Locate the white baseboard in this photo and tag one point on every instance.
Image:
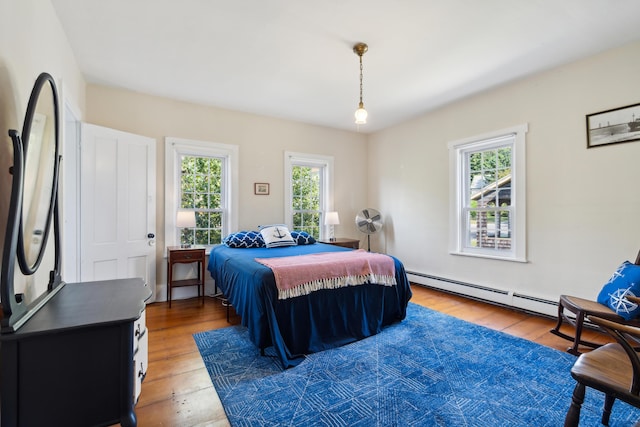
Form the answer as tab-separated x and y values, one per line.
184	292
499	296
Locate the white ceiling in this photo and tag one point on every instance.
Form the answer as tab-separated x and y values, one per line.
293	59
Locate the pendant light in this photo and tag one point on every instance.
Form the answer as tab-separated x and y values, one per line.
361	114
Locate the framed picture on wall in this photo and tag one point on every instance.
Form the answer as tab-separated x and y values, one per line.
261	188
613	126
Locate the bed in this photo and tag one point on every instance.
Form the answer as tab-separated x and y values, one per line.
320	320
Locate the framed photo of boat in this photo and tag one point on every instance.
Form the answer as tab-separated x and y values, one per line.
261	188
613	126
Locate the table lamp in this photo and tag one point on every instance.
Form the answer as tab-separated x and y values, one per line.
186	219
331	219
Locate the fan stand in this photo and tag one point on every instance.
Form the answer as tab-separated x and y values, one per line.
369	221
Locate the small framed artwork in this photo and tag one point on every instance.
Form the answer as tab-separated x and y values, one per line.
261	188
613	126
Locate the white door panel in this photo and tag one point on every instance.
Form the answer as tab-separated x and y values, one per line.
118	218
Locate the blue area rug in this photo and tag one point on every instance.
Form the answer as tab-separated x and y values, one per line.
429	370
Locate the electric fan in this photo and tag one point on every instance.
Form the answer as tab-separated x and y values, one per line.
369	221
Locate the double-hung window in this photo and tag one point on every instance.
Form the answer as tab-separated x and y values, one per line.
200	179
308	193
488	200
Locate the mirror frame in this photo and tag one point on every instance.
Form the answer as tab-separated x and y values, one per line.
40	84
16	311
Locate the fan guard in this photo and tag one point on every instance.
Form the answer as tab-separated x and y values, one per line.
369	221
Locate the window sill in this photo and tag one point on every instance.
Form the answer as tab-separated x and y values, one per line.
489	256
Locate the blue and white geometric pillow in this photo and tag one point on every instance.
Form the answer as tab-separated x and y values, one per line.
303	238
625	281
244	239
276	235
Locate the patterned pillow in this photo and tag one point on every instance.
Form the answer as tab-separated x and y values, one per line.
625	281
244	239
303	238
276	235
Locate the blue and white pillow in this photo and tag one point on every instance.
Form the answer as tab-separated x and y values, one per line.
303	238
625	281
276	235
244	239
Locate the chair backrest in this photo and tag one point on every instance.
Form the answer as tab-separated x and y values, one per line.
628	337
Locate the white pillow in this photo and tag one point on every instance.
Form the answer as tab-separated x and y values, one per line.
276	235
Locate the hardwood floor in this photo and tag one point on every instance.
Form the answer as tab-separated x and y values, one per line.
178	392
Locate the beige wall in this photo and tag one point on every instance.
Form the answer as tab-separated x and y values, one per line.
262	142
582	204
31	42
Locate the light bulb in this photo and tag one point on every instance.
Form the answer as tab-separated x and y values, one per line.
361	115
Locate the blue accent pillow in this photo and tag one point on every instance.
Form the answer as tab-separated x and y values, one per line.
244	239
625	281
276	235
303	238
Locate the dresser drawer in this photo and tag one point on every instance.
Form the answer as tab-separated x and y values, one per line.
186	255
140	353
140	363
139	328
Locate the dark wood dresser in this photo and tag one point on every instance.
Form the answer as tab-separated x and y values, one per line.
80	359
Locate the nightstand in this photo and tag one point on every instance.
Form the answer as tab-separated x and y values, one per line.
179	255
344	242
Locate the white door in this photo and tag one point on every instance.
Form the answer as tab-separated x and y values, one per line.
69	193
118	205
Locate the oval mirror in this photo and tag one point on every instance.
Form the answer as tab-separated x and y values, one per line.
40	141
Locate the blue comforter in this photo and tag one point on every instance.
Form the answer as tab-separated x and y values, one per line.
321	320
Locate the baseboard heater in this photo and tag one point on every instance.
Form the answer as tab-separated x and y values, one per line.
485	293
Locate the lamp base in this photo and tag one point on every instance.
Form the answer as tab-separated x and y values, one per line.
332	235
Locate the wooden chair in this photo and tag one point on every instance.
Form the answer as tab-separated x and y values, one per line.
581	308
613	369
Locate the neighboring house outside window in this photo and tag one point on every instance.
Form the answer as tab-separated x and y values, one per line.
308	193
200	177
488	199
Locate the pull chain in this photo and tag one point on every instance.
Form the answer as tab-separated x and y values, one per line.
361	104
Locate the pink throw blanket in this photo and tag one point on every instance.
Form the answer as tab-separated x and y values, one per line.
303	274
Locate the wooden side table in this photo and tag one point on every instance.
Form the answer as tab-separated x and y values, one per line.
344	242
179	255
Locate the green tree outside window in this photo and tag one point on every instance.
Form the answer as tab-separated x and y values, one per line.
201	190
306	204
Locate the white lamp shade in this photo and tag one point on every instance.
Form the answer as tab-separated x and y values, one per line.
186	219
331	218
361	116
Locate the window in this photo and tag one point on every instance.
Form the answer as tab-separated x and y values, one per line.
308	192
201	183
200	177
488	200
306	205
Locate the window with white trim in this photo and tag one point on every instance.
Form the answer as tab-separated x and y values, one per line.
488	199
308	192
201	177
202	180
